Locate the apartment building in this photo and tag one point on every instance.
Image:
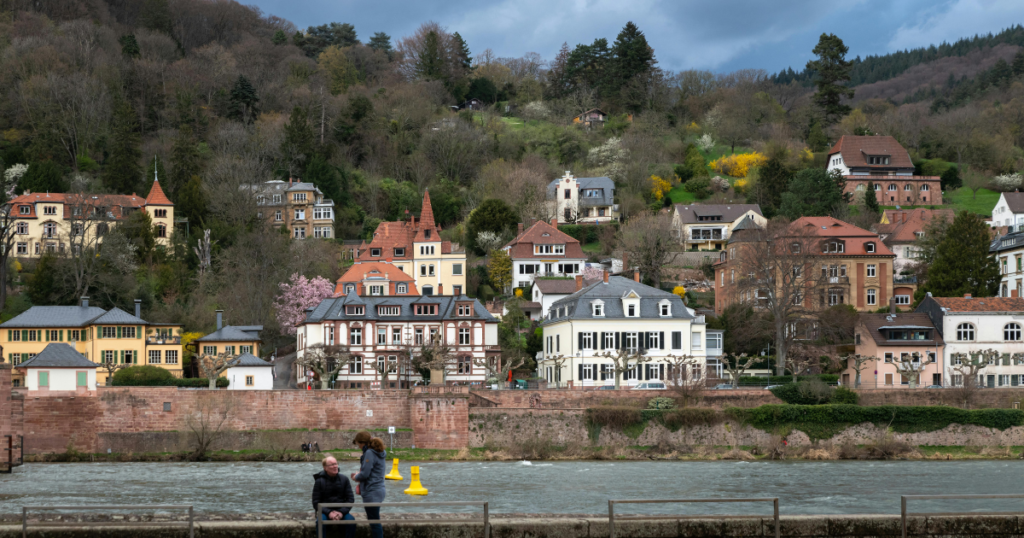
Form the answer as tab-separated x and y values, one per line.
543	251
583	200
1009	253
893	339
886	165
299	207
233	340
708	226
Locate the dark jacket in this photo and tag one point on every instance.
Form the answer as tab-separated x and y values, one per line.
371	475
332	489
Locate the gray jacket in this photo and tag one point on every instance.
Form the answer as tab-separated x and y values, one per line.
371	475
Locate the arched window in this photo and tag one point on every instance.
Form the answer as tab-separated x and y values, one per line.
878	186
161	230
924	188
1011	332
965	332
861	187
49	229
892	187
908	187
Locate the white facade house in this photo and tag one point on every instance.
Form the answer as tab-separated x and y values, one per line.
972	324
1009	210
59	367
582	199
250	372
619	314
547	291
1009	253
379	332
544	251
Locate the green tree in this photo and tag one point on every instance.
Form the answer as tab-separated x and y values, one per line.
462	54
123	173
299	142
44	176
493	215
816	138
340	72
192	203
1018	64
950	179
962	262
483	89
382	42
430	65
138	230
329	179
402	196
499	270
155	170
318	38
244	103
831	69
184	161
156	15
773	180
871	199
587	65
280	38
814	192
129	46
43	285
632	57
1000	72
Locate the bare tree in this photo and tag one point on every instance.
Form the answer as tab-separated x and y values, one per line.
205	422
737	366
213	365
648	241
964	371
91	218
557	362
500	367
625	360
111	366
859	363
325	362
975	180
685	379
8	228
438	357
202	250
911	366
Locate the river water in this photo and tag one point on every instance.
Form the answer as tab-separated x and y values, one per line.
843	487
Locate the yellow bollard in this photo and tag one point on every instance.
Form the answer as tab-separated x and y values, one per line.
415	488
393	475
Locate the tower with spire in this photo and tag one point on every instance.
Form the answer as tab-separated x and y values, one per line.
161	211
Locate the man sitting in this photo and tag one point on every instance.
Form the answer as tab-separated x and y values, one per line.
331	487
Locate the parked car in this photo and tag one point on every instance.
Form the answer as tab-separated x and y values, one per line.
653	385
770	387
722	386
934	387
606	387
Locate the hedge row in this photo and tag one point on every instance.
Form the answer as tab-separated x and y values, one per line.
585	233
824	421
631	420
187	382
783	379
153	376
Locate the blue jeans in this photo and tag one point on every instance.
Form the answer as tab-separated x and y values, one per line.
373	513
350	530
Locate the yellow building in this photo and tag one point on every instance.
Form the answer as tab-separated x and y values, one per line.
54	222
231	339
100	335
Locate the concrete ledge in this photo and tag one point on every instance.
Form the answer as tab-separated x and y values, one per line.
819	526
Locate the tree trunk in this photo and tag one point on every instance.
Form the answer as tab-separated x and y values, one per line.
3	280
856	383
213	382
780	348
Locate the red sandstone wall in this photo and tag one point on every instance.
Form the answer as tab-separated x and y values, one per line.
577	399
440	422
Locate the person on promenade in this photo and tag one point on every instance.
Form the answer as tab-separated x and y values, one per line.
329	486
371	477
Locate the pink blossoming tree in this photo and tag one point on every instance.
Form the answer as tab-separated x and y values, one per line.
298	295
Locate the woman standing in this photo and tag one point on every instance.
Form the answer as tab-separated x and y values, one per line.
371	477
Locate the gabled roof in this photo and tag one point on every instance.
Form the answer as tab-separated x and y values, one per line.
611	293
370	271
54	316
555	286
903	225
58	355
157	196
334	309
1015	201
874	323
690	213
116	316
980	304
247	360
856	149
542	233
402	234
229	333
605	184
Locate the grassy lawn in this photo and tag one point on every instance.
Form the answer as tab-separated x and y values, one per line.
592	248
964	199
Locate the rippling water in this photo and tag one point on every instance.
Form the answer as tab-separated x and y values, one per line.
843	487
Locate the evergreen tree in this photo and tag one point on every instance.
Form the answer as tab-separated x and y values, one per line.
298	145
816	138
280	38
813	192
831	69
318	38
492	215
1000	72
463	58
430	65
962	263
588	65
382	42
558	81
123	172
1018	64
483	89
871	199
631	56
773	180
950	179
155	170
138	229
156	15
328	179
184	162
191	203
244	104
129	46
43	176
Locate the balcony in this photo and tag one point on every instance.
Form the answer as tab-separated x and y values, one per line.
170	341
838	280
698	236
904	279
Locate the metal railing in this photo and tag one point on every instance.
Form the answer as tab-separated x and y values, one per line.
125	523
905	498
612	518
320	521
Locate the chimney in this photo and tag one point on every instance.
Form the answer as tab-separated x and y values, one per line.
967	296
1013	293
554	222
289	181
579	282
85	301
220	319
605	273
636	276
138	308
520	230
440	289
892	305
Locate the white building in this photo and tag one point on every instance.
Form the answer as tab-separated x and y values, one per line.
250	372
1009	210
972	324
379	332
620	314
583	199
546	291
59	367
543	251
1009	253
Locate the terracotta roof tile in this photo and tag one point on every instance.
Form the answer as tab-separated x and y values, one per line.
874	322
157	196
855	149
854	238
981	304
904	224
542	233
366	270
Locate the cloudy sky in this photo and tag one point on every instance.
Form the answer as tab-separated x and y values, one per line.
721	35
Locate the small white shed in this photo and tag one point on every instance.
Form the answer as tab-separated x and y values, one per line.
250	372
59	367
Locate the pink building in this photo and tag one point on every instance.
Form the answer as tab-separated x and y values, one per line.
890	338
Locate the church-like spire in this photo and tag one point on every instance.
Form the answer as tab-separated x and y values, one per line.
427	213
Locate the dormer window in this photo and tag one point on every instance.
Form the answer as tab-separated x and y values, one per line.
355	310
400	252
376	290
794	248
402	288
834	247
869	247
464	310
597	308
349	288
631	311
389	310
878	159
426	234
549	249
426	310
665	308
375	252
24	209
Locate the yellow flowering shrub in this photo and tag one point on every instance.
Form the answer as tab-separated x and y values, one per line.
740	186
659	187
519	292
807	156
739	164
680	291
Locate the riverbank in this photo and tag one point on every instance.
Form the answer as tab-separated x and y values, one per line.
537	452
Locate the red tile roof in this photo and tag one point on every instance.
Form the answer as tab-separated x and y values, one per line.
379	270
157	196
110	201
981	304
855	150
402	234
854	238
904	224
542	233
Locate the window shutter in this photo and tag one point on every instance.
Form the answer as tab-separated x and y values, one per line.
47	335
9	332
119	331
580	371
122	356
600	344
24	336
645	373
677	340
579	342
62	335
661	340
661	372
138	330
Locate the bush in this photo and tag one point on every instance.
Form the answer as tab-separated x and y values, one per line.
613	416
661	403
699	186
783	379
586	233
690	416
154	376
845	396
813	391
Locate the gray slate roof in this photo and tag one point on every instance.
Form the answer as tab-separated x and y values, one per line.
58	356
1015	201
584	183
1010	241
54	316
690	213
248	360
611	293
556	286
333	308
116	316
229	333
